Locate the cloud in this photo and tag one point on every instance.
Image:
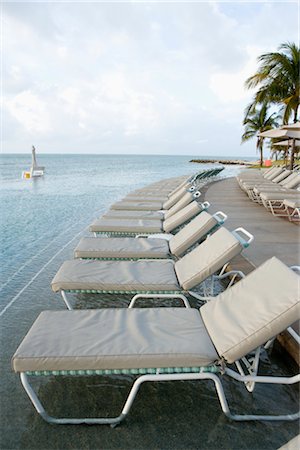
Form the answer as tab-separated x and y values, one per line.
229	86
31	112
133	76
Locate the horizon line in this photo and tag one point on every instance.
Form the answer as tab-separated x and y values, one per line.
127	154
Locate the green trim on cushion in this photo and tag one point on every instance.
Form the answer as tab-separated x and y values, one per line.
125	233
95	291
136	258
164	370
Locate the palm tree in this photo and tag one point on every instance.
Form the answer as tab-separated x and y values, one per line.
278	78
256	121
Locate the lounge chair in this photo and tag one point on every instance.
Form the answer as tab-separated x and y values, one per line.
284	180
167	344
258	176
148	277
292	208
170	205
133	226
179	197
150	195
255	173
161	247
166	202
289	183
273	201
161	193
126	214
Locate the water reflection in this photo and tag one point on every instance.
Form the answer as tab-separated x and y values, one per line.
164	415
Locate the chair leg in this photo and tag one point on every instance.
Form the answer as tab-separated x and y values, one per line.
53	420
169	377
68	304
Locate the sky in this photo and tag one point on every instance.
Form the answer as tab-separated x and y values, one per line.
134	77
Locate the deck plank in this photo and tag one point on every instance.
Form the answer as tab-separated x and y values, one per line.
273	236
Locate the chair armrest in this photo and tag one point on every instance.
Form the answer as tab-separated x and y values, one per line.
220	217
245	243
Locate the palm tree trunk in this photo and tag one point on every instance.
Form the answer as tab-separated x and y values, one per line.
292	155
260	148
296	114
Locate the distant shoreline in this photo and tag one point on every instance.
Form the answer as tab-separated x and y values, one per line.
224	161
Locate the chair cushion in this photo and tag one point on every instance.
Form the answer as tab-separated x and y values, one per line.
254	310
279	195
116	276
183	215
292	184
115	339
207	258
138	205
185	200
94	247
274	173
126	225
146	198
292	203
126	214
189	235
282	176
174	197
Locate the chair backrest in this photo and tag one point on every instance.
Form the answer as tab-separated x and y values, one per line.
268	171
274	174
181	203
282	176
184	184
193	232
295	182
291	176
173	198
254	310
207	258
182	216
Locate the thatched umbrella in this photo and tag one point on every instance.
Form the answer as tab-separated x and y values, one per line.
286	132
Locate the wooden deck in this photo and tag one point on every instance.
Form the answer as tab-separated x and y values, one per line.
273	236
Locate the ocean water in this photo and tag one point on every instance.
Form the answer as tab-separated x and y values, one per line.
39	216
41	222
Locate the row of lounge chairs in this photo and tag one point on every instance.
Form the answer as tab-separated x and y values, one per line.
170	343
275	189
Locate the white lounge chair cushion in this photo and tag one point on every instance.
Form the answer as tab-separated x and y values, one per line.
115	339
182	216
122	248
271	175
144	225
139	206
208	257
292	203
151	192
294	183
293	444
192	233
116	276
126	225
282	176
251	312
146	198
184	201
174	198
279	195
126	214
